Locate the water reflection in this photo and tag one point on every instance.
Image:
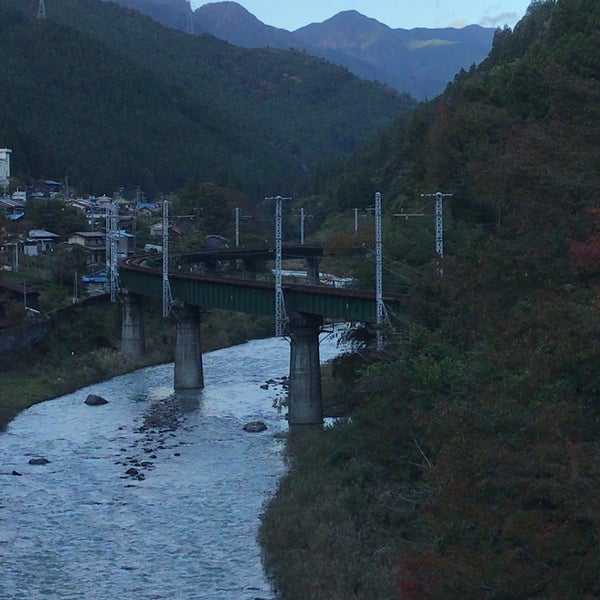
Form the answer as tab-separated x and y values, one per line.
189	400
82	527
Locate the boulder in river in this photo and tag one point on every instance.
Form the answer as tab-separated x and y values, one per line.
95	400
38	461
255	427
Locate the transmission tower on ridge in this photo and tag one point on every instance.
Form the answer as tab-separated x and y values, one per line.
41	9
191	19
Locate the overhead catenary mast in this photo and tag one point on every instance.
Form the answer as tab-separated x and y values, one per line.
379	271
280	315
356	219
167	299
303	217
379	305
112	249
439	226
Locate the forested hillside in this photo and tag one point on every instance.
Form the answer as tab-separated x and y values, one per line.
109	98
470	466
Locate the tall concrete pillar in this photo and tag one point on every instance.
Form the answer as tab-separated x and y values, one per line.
188	350
250	266
312	271
304	394
133	341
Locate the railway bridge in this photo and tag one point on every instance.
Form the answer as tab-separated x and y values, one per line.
306	307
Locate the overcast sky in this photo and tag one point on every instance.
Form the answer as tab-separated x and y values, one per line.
404	14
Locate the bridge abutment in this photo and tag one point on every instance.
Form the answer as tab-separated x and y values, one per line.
305	399
189	373
133	340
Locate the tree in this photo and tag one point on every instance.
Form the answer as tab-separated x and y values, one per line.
70	261
55	216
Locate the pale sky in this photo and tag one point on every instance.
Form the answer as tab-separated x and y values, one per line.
404	14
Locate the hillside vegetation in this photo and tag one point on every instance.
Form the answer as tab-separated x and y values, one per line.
470	466
108	97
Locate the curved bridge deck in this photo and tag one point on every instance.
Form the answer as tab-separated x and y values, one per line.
254	297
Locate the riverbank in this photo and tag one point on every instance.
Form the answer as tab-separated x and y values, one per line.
85	350
338	524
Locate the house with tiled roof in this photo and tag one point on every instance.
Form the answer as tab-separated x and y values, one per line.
39	241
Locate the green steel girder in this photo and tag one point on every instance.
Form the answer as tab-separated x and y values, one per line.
254	297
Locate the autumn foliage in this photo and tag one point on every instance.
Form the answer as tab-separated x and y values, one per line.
585	255
470	466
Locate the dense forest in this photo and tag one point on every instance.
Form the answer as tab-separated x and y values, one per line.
109	98
469	466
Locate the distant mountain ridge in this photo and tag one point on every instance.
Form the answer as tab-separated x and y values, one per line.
418	61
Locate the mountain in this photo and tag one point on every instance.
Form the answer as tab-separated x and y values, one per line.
110	98
417	61
232	22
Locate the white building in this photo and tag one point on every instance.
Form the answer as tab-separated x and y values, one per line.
4	168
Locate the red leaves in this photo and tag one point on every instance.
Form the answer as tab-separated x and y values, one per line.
585	255
418	576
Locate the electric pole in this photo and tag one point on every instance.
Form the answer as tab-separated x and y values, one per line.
303	217
280	316
356	220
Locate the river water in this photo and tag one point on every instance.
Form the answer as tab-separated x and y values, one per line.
184	526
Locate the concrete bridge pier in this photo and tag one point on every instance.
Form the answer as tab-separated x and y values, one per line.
312	271
249	268
189	373
133	340
304	395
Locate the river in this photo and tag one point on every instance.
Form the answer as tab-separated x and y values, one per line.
182	525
